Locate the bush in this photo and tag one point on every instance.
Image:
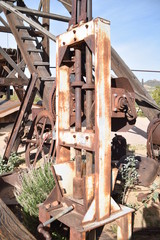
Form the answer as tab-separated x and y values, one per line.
156	95
9	166
36	184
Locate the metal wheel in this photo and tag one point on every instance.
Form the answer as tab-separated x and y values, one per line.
40	142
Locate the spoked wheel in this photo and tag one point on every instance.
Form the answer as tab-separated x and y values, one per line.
40	142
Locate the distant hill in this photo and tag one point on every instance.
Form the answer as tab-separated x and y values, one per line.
152	83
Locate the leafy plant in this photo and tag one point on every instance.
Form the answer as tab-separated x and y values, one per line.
153	195
129	174
9	166
36	184
156	95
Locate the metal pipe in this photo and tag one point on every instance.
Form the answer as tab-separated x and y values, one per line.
89	10
41	226
78	68
78	9
89	93
66	210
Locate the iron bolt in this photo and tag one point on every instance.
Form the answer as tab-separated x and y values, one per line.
64	43
87	137
115	109
74	31
115	95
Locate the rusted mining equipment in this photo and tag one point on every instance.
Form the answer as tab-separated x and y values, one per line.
82	198
32	37
79	110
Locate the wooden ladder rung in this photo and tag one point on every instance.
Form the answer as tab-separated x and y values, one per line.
48	79
36	50
28	38
23	27
41	63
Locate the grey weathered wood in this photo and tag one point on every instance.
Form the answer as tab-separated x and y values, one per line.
13	82
12	63
41	64
13	72
43	14
10	227
28	20
143	99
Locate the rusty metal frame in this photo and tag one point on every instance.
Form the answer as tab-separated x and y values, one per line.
96	185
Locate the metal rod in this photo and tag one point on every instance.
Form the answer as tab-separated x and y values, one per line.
66	210
136	70
78	68
78	9
89	10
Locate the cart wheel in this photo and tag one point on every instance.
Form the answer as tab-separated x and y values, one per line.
40	142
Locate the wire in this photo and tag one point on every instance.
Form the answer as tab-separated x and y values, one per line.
136	70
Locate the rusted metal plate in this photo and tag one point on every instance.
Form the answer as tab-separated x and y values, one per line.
66	182
79	140
102	120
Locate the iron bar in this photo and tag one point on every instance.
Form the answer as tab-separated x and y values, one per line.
66	210
137	70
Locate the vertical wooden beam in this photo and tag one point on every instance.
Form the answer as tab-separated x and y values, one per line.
102	119
46	23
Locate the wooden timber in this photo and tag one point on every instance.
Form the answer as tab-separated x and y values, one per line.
10	227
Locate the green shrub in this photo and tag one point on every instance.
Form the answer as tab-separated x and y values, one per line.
129	174
9	166
156	95
36	184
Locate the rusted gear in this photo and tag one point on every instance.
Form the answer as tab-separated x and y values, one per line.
40	142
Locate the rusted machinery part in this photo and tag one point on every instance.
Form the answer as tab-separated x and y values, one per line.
153	139
52	104
40	142
52	101
45	233
41	226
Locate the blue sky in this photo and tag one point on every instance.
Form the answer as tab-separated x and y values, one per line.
135	31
